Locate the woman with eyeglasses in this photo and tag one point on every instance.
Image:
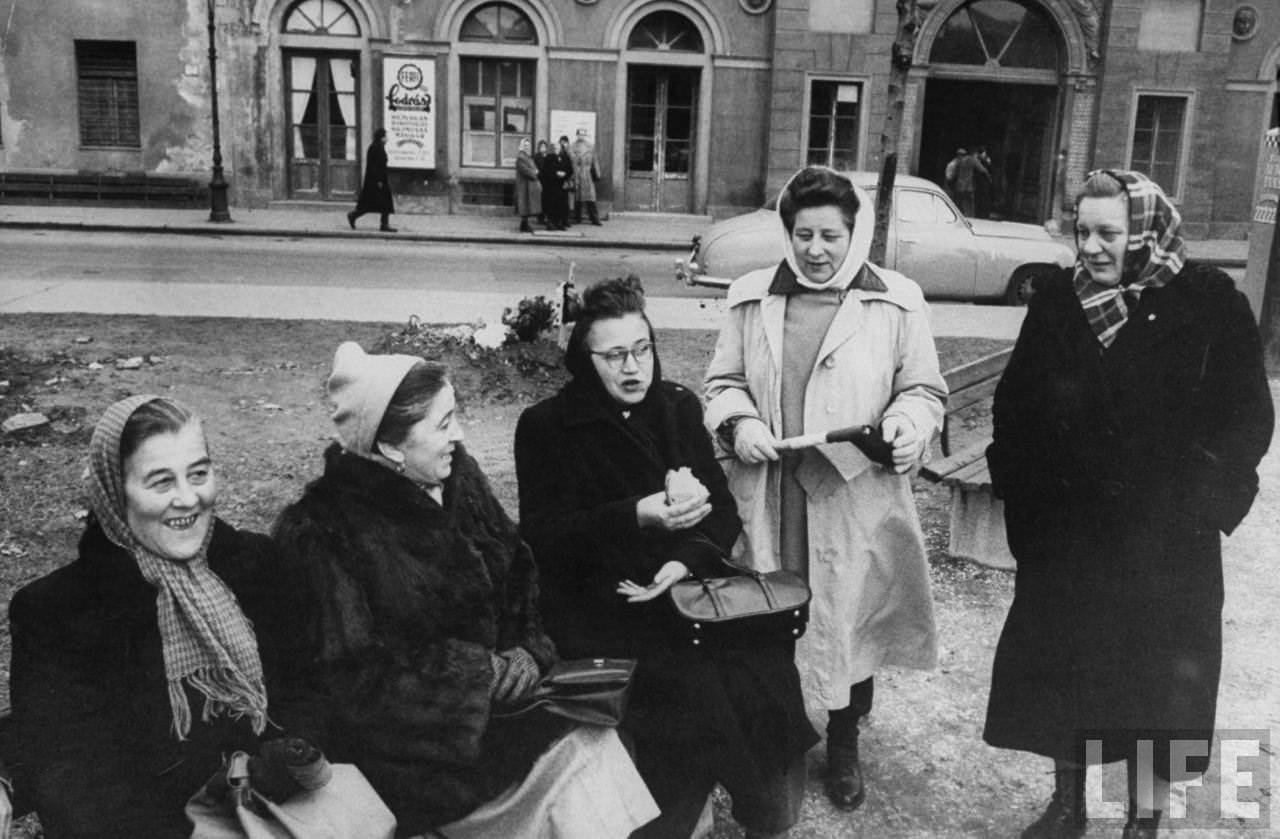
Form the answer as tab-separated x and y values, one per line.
620	497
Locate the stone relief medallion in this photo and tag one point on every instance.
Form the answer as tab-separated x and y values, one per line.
1245	23
755	7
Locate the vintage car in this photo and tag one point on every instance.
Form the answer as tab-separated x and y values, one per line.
950	256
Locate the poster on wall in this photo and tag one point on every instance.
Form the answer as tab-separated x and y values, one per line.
409	111
567	123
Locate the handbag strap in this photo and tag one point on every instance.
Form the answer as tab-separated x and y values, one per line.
713	592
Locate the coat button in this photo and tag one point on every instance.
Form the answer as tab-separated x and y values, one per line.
831	409
829	361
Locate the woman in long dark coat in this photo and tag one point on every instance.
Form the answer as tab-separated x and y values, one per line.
528	187
1128	428
592	463
137	666
375	194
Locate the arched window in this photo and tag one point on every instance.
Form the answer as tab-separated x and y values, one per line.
666	31
321	17
498	23
497	90
998	33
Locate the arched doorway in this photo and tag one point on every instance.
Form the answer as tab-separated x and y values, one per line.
995	67
322	99
662	113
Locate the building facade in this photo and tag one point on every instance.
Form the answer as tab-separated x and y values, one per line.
695	106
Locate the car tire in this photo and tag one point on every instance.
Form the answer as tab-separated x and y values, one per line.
1023	284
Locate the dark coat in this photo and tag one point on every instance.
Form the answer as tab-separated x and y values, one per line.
90	740
407	600
375	194
1118	469
555	199
581	472
528	187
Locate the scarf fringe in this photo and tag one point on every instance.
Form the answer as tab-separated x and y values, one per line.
226	691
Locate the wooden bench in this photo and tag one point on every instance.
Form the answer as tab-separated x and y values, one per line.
126	189
977	516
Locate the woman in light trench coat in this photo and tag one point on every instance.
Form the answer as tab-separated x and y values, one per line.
823	341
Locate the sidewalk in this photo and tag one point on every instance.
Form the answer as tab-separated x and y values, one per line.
646	231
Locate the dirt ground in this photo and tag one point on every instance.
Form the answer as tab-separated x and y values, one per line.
259	385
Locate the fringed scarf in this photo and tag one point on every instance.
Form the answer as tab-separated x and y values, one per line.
1155	254
208	642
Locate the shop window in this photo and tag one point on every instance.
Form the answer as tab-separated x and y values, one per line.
321	17
497	109
1170	25
107	80
1157	139
834	123
998	33
665	31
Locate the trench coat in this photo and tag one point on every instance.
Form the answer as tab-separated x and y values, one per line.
586	170
1119	470
90	741
872	604
528	187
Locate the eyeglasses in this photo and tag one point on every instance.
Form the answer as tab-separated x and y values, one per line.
615	358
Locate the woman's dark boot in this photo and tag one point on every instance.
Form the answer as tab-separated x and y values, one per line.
1065	817
524	225
844	784
1141	827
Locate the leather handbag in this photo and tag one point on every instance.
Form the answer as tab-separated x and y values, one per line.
744	609
345	807
592	691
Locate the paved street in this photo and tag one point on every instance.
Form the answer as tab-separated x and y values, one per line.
381	280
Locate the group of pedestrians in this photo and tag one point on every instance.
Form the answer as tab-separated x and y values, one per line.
396	613
548	181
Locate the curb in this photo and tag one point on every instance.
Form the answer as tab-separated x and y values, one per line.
215	229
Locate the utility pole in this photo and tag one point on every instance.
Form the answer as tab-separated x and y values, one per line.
904	45
218	183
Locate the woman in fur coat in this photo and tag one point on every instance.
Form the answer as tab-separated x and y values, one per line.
422	624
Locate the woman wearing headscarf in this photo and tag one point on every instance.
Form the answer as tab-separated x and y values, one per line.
137	667
824	341
528	187
599	466
421	626
1128	427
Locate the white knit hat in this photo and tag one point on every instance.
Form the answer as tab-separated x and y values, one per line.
361	387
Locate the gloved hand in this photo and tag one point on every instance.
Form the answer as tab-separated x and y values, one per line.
288	765
515	674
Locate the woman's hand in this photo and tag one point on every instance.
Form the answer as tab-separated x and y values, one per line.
753	441
515	674
654	511
667	576
907	444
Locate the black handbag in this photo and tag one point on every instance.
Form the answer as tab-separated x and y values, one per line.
744	609
592	691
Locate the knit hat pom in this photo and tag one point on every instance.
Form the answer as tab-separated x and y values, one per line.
361	386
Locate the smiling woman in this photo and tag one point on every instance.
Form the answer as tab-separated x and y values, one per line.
158	614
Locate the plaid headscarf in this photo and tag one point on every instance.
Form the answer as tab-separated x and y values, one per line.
208	642
1154	255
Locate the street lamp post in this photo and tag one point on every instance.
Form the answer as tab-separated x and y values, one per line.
218	183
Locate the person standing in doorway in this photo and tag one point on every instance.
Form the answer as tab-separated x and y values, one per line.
375	194
960	179
586	174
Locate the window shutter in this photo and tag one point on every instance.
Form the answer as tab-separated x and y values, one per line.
108	92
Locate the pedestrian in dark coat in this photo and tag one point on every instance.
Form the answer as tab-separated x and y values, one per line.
557	174
421	621
592	463
137	667
528	188
375	194
1128	427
